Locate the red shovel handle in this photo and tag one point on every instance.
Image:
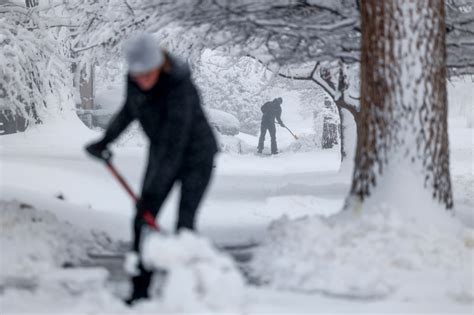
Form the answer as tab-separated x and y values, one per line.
147	215
121	180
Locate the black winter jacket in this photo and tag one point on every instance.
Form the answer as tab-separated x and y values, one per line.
173	119
271	111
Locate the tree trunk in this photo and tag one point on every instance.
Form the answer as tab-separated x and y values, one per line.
342	130
403	115
348	140
86	87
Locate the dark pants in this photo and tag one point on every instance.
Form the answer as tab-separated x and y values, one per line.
194	181
270	126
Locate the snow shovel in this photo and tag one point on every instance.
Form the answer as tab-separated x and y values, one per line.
147	216
296	138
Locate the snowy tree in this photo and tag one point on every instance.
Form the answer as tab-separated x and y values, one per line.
280	31
403	110
292	32
32	61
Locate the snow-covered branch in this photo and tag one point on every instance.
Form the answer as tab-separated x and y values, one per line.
289	32
33	65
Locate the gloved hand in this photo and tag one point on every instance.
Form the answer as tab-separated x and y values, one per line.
99	150
282	125
145	211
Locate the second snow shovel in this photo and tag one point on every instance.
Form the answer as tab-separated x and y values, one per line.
296	138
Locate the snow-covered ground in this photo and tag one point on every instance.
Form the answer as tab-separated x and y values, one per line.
57	205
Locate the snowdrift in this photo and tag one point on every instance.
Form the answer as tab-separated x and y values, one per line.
369	255
40	255
305	143
35	241
38	251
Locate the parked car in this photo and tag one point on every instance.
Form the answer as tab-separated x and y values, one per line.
225	123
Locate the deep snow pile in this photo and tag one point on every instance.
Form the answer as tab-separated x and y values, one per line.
64	291
35	248
33	241
39	252
196	273
305	143
373	253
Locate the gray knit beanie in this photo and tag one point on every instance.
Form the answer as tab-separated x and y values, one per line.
143	53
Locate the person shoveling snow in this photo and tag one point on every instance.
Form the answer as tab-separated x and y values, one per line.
271	111
163	98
